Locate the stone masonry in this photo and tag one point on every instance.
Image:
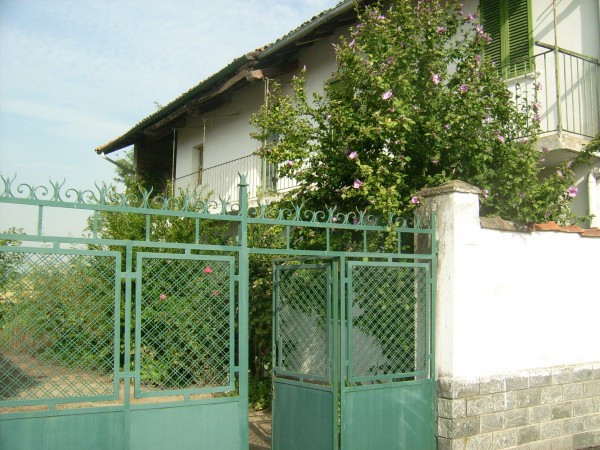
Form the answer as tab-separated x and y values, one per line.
551	408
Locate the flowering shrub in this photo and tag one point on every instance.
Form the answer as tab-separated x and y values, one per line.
414	103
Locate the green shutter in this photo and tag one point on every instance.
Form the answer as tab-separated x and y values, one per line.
490	16
518	32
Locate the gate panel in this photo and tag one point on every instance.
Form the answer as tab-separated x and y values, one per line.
59	341
185	351
184	324
388	393
303	404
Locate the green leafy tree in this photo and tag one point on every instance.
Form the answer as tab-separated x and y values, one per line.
414	103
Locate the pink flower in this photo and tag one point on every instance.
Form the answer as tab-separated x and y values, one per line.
387	95
435	78
486	193
208	270
355	221
537	106
478	59
415	200
163	296
289	162
357	184
572	191
353	155
352	43
500	137
463	88
559	173
539	86
334	219
441	30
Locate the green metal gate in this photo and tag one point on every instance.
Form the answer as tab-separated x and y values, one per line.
110	343
353	354
122	344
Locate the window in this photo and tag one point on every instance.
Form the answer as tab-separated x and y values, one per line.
198	162
508	22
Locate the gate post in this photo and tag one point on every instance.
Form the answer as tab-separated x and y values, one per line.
243	311
456	206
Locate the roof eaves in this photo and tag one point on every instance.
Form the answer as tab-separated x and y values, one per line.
128	138
307	27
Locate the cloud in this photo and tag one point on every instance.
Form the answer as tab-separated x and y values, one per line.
64	121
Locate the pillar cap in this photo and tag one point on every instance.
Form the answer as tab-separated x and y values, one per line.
450	186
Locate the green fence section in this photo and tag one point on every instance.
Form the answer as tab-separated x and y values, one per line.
57	334
354	349
143	342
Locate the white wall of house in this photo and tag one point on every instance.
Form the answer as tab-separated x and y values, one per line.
225	131
510	301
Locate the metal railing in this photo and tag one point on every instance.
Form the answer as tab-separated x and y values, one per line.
568	89
221	180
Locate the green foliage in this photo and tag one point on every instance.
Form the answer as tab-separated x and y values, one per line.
9	261
260	393
61	309
414	103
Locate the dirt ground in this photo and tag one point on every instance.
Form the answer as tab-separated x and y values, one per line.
260	430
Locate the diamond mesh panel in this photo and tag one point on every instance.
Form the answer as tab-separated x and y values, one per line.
302	324
56	325
388	320
185	324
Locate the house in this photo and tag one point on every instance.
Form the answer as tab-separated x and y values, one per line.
203	136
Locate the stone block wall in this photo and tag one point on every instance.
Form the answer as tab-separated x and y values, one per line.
551	408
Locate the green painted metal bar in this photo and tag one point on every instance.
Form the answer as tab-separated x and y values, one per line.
40	220
335	353
243	313
433	290
321	387
343	357
127	357
148	227
95	226
398	384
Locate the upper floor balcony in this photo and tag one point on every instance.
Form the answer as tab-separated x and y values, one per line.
568	103
568	98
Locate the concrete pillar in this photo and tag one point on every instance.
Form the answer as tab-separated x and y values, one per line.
456	205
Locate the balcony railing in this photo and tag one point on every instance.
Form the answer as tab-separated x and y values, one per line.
222	180
569	89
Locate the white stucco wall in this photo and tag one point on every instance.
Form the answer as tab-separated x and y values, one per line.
225	131
509	301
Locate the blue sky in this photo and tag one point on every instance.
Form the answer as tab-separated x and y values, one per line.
75	74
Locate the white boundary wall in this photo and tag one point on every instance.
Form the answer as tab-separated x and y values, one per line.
510	300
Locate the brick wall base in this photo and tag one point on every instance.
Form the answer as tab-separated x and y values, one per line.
551	408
